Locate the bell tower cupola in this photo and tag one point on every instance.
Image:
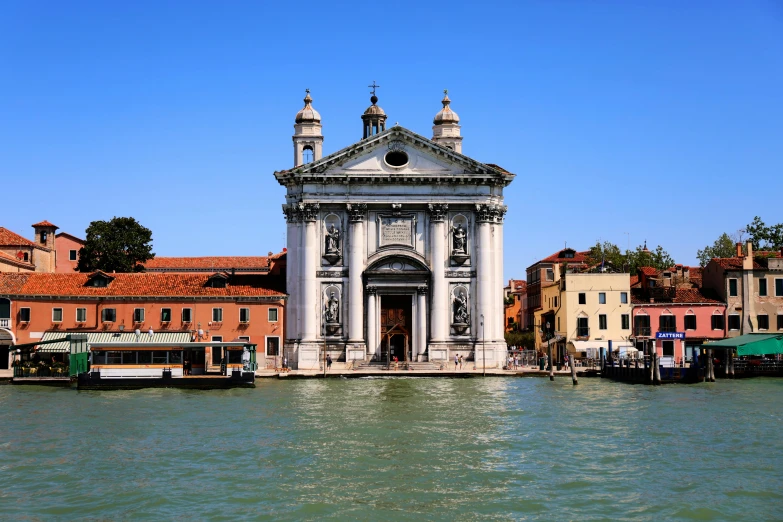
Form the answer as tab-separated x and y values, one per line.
308	140
373	119
445	128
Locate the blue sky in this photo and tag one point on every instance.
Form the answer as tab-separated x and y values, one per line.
624	121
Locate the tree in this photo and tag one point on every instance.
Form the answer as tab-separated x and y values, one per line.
607	253
763	236
526	340
657	258
723	247
119	245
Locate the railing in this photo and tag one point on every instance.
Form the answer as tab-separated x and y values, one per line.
5	323
667	328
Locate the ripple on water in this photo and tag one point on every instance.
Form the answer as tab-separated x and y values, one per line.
369	449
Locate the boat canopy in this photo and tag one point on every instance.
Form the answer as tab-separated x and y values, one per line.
751	344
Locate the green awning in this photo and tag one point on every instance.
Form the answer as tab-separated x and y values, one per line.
751	344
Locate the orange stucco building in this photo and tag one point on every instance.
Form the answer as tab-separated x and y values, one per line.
217	307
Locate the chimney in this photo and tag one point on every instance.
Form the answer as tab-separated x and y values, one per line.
747	263
739	249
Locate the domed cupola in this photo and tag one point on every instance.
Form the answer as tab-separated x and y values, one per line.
308	140
446	129
308	114
373	119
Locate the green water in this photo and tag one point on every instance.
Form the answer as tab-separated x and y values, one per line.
383	449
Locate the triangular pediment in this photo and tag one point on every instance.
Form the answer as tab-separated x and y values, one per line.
396	153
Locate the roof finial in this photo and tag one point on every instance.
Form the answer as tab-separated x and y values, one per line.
446	101
373	98
307	98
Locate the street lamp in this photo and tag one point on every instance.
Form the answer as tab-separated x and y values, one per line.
483	348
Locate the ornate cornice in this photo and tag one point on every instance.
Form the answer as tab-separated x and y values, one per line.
356	212
437	212
291	214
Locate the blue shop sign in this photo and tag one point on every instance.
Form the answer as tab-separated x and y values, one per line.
670	335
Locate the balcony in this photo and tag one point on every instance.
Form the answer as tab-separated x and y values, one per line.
642	331
667	328
5	323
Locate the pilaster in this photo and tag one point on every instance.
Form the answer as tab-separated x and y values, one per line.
357	214
439	297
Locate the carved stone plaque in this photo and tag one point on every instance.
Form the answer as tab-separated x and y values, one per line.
396	230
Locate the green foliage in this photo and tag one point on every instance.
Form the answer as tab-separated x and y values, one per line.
119	245
525	340
763	236
723	247
608	253
657	258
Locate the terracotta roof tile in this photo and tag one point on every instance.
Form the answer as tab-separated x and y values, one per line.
634	280
8	238
734	263
579	257
9	259
137	284
682	295
45	223
214	263
649	271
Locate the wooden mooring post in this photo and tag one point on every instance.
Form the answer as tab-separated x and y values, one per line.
551	362
656	368
573	370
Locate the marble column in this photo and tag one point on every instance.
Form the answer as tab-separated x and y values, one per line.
499	316
372	321
438	296
484	270
356	215
309	309
292	319
421	330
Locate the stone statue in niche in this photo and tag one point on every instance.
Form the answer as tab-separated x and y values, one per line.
461	315
458	240
332	240
332	312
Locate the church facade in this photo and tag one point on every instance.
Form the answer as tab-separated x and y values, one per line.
395	246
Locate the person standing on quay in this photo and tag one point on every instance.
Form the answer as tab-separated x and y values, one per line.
328	362
456	362
460	362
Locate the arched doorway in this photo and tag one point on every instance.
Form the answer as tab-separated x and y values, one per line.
397	286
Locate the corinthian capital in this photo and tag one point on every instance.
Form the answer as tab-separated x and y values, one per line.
356	211
437	211
308	211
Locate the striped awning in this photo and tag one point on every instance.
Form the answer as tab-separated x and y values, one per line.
112	337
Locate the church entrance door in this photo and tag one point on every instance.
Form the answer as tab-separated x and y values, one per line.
396	317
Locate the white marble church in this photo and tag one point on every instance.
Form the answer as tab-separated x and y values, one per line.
395	245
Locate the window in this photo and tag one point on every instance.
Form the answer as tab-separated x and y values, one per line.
690	322
307	155
667	323
602	322
555	302
234	356
186	315
108	315
582	299
272	315
244	315
624	297
145	357
763	321
510	321
160	357
165	315
733	287
129	357
601	297
26	256
217	351
99	282
72	255
272	346
81	315
780	321
24	315
550	274
217	315
44	236
641	324
113	357
582	328
138	315
668	348
244	338
763	287
57	315
778	287
734	322
625	320
718	322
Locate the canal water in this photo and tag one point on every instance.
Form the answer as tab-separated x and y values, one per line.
388	449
